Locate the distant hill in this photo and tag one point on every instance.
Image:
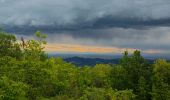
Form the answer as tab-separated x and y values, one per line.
93	61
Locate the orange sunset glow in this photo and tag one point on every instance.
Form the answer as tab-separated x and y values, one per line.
89	49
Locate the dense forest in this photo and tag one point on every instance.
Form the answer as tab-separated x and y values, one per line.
27	73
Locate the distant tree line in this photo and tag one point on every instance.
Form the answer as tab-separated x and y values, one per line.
27	73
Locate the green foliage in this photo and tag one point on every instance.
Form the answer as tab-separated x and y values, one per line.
26	73
11	90
119	78
142	88
100	75
161	80
106	94
33	49
9	45
138	71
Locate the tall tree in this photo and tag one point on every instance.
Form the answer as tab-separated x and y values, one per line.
161	80
33	49
9	45
136	67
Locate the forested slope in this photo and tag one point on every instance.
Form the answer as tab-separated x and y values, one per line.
27	73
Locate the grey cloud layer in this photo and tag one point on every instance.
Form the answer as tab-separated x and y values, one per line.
85	13
154	38
143	24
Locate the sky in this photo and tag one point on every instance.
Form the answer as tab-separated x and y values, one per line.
96	26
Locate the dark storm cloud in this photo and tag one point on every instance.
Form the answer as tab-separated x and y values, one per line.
143	24
85	13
